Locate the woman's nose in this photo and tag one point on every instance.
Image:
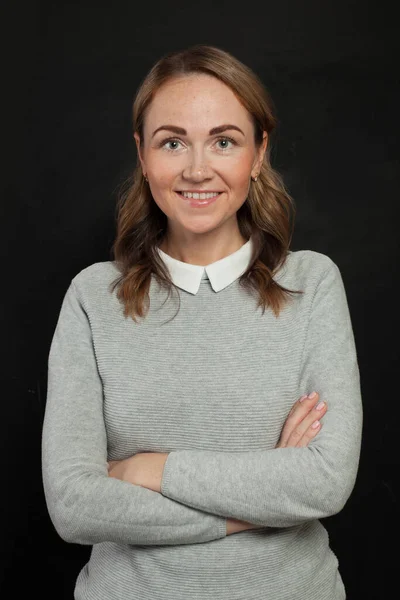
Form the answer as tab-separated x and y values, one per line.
197	168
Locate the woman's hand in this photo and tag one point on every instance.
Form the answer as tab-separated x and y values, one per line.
303	422
123	469
297	431
234	526
144	469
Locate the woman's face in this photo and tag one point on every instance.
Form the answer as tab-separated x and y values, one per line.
182	152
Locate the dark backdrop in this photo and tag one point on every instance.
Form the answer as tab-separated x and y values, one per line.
70	72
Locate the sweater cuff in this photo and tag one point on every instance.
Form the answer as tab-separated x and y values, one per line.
169	483
166	476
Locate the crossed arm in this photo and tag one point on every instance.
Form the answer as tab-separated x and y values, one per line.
280	487
146	469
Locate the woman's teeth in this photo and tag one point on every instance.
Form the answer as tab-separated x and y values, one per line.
204	196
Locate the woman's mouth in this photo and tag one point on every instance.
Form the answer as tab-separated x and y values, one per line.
199	199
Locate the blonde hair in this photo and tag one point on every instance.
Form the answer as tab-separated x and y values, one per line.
267	215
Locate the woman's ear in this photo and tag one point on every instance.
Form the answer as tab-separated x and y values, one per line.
137	140
258	161
262	150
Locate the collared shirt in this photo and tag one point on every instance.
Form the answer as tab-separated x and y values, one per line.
221	273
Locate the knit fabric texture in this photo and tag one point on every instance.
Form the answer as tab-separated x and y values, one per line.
213	388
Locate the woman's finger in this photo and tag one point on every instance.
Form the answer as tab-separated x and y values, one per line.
299	411
303	426
310	434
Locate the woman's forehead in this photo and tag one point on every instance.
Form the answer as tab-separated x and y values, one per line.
195	102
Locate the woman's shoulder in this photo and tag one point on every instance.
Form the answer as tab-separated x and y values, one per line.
95	278
96	271
303	267
306	259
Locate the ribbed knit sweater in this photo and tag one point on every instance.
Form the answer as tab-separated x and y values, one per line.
212	387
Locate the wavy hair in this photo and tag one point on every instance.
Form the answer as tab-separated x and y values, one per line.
267	215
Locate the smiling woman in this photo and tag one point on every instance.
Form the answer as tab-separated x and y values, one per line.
222	118
202	160
161	438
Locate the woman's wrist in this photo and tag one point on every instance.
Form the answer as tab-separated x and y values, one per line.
144	469
234	526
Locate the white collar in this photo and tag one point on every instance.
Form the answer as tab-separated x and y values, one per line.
220	273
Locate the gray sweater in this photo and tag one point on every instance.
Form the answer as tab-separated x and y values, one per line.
212	387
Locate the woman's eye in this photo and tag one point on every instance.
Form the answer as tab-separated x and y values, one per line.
171	142
226	142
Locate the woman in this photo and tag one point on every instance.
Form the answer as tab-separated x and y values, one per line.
165	436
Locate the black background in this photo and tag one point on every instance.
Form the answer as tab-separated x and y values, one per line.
70	72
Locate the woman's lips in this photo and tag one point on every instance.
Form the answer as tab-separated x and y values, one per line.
197	202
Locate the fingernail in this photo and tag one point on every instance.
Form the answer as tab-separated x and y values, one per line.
316	425
303	398
312	395
320	405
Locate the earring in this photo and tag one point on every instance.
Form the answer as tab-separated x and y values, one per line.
255	178
144	175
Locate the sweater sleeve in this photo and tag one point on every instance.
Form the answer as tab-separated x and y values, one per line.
285	486
85	505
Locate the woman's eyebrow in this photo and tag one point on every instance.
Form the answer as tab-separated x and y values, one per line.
181	131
